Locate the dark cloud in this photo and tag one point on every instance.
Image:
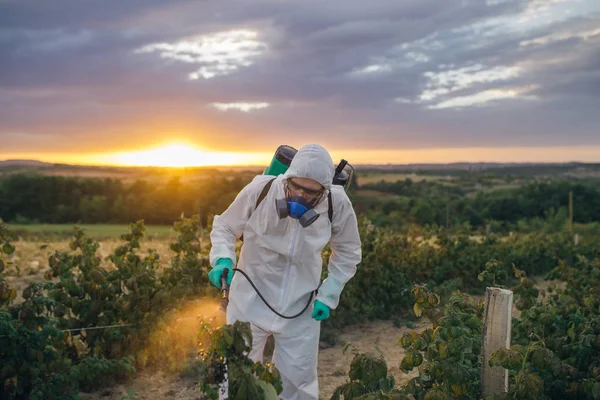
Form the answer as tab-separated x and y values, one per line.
74	14
383	74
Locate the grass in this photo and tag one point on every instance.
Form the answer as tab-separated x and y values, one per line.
366	178
377	194
97	231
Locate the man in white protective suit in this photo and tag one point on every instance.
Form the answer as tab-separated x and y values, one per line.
283	259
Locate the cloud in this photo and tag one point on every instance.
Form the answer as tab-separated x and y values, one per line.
372	69
464	77
245	107
468	64
556	37
482	98
443	85
219	54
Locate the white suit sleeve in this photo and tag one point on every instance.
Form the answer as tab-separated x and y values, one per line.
229	226
346	253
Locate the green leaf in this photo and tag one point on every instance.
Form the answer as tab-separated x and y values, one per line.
596	390
8	248
268	390
571	332
418	310
436	394
387	385
242	385
367	368
545	359
528	384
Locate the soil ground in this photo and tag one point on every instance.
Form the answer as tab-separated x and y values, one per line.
379	337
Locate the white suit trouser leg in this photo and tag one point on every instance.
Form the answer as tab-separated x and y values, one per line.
259	340
295	355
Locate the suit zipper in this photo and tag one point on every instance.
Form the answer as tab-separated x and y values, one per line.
286	280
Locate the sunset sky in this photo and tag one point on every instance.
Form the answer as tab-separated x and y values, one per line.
197	82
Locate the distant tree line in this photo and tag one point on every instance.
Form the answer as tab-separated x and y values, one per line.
428	202
494	170
31	198
59	199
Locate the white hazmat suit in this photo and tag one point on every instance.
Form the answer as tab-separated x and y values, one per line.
284	261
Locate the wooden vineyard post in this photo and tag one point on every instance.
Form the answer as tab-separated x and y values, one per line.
497	324
571	212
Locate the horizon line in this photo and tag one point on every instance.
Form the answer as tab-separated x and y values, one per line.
184	156
49	163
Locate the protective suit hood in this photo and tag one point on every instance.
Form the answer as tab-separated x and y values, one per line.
314	162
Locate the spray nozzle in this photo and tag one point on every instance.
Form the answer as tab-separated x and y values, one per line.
224	290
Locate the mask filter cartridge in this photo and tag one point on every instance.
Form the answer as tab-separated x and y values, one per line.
296	207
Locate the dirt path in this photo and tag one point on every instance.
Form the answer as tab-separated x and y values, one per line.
150	387
379	337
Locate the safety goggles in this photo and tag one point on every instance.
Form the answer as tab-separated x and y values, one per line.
299	190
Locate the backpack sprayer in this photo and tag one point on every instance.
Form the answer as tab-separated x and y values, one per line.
282	159
344	172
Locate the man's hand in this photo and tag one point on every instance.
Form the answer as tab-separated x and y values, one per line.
321	311
214	275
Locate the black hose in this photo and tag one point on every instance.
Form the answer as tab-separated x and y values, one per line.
268	305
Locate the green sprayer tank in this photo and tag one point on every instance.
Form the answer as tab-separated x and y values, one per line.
281	160
283	157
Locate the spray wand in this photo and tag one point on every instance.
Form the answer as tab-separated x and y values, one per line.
224	290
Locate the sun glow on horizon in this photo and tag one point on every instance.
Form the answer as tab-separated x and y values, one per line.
184	155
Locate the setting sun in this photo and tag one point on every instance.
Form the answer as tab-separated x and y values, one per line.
184	155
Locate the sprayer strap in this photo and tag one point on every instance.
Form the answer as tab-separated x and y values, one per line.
330	210
264	192
261	197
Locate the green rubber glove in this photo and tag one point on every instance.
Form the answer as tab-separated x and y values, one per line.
321	311
214	275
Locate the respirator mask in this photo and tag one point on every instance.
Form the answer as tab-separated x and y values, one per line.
299	203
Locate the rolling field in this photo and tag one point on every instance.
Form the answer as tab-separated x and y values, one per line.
97	231
367	178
